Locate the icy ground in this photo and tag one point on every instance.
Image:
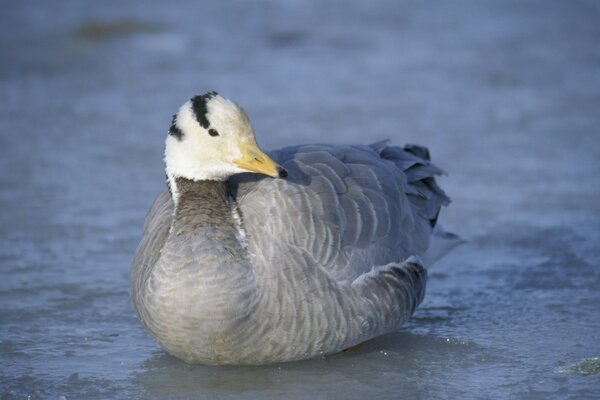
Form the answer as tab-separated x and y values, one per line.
505	94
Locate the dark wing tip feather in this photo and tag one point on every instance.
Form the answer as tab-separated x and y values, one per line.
414	161
419	151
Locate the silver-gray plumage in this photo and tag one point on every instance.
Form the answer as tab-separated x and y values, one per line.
258	270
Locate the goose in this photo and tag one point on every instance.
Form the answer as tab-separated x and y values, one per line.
251	258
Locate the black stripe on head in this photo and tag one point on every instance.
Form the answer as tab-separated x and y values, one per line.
199	107
174	129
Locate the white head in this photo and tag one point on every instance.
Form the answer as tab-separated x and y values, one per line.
211	138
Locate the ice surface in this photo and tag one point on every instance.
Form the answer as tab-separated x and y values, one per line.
505	94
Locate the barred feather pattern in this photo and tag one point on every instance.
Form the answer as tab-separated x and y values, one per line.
331	256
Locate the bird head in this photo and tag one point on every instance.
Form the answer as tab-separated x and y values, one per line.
211	138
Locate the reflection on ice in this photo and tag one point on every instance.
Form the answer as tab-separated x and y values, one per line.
386	365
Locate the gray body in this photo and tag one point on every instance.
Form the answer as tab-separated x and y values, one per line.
322	260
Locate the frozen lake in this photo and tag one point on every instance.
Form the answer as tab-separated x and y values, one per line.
505	94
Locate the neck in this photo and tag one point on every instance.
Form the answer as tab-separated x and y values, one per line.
177	185
174	181
200	204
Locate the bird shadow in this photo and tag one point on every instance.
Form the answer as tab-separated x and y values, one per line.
404	353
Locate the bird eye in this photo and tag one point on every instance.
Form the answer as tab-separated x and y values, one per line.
213	132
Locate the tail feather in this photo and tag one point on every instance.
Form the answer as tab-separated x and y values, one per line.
441	243
423	192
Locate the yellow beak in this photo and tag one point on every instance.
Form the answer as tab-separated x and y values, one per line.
255	160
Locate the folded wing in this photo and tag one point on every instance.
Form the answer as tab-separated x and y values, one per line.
349	207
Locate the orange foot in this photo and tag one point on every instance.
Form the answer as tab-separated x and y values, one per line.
354	348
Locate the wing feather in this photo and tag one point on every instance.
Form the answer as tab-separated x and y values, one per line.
349	207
